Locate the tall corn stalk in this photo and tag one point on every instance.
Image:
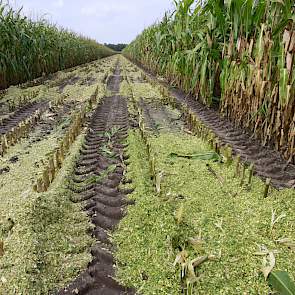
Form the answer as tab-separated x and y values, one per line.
29	49
239	53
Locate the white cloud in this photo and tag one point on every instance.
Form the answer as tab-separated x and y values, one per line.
111	21
58	3
88	11
104	9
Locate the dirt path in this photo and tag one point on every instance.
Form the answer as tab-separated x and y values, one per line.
113	84
268	162
98	174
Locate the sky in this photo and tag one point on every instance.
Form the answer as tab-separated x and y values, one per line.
107	21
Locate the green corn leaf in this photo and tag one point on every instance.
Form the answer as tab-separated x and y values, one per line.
260	44
283	87
281	282
204	156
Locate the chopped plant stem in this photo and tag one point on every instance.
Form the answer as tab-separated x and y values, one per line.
229	225
43	237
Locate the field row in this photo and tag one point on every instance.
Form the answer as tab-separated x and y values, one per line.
201	223
123	186
46	230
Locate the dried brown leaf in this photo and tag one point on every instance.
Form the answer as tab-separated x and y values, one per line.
1	248
287	242
198	261
181	257
269	262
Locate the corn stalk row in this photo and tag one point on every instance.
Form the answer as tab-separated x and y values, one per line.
239	54
30	49
56	160
20	131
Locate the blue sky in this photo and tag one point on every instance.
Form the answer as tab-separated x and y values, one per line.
110	21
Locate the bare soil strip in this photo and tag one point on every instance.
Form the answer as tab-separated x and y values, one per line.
113	84
268	162
98	174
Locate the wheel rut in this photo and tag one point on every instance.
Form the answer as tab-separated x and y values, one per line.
113	83
97	175
20	115
268	162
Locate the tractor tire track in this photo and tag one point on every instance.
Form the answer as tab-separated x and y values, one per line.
113	83
102	159
20	115
268	162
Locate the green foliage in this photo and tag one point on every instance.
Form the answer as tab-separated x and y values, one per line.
191	45
197	156
116	47
282	283
30	49
238	53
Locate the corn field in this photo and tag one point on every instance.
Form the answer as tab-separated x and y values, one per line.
31	49
238	53
167	169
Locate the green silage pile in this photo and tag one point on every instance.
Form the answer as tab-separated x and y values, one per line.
201	210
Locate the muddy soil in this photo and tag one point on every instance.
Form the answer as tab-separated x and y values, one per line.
268	162
21	114
113	83
102	162
159	117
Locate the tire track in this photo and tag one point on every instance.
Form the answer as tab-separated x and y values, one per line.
98	174
20	115
113	83
268	162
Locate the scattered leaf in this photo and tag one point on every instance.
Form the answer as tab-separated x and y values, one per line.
286	242
269	262
218	224
198	156
197	261
281	282
275	219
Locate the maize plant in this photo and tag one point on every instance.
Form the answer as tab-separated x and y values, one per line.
31	49
237	53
